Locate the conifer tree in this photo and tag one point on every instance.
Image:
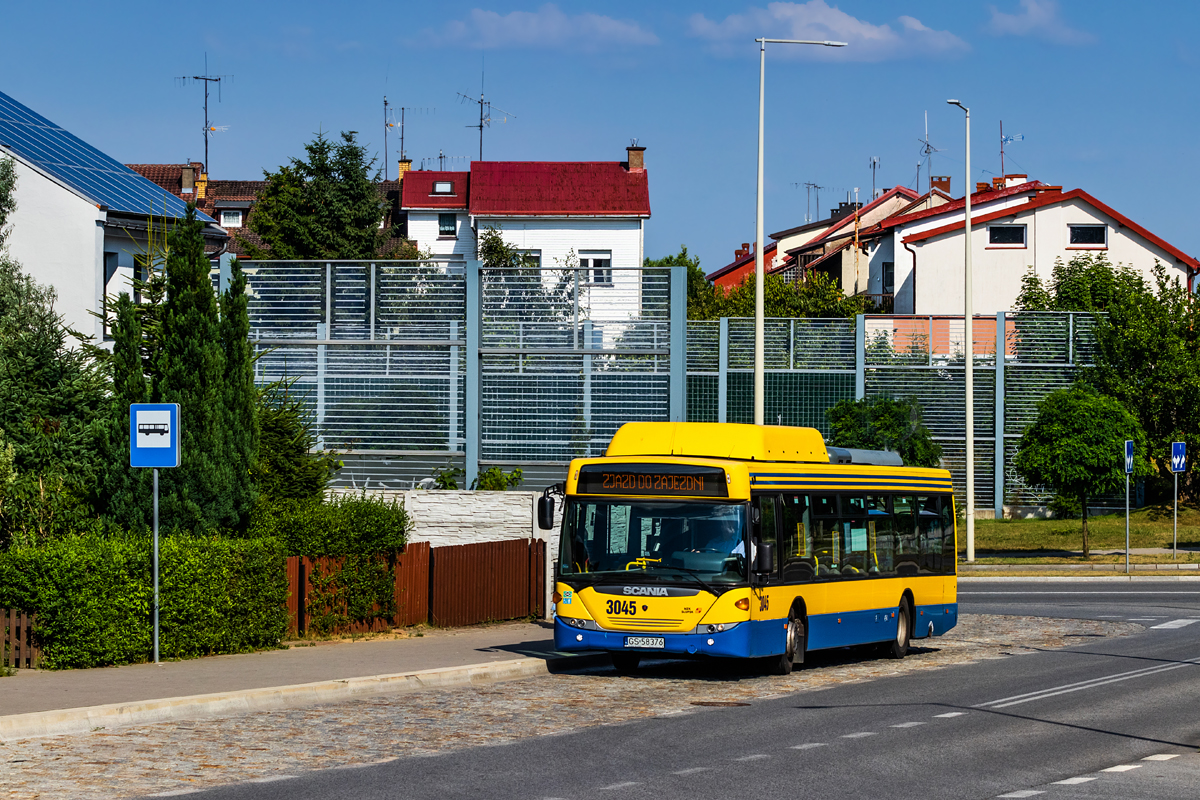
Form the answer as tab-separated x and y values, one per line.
241	401
126	494
190	371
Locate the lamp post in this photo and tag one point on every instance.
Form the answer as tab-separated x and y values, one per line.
970	348
759	350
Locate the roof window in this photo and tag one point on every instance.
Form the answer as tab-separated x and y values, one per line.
443	187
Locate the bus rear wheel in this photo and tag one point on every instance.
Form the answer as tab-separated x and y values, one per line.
625	663
898	647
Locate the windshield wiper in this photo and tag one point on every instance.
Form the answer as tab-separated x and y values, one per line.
695	575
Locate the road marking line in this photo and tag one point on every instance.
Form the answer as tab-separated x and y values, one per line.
1017	699
1141	619
809	746
623	785
908	725
1122	768
1022	793
951	714
691	770
1175	623
1161	757
1074	781
858	735
754	757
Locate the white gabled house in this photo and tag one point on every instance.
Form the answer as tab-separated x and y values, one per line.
82	218
1016	225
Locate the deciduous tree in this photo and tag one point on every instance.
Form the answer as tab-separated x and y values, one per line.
885	423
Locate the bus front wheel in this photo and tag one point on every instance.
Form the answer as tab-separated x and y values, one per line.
899	645
793	647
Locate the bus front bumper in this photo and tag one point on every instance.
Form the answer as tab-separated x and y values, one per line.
736	642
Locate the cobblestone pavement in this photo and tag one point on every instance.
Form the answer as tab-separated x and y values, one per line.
178	757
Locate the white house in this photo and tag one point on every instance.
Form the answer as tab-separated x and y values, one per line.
82	218
1016	225
588	215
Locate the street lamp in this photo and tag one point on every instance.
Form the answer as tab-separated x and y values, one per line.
970	366
759	351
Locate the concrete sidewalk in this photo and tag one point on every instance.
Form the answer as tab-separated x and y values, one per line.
37	702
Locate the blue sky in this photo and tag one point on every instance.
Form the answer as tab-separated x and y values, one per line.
1105	93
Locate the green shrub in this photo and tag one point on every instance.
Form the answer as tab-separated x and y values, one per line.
346	524
93	597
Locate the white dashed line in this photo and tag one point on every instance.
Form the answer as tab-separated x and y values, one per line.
951	714
623	785
754	757
272	778
907	725
808	746
1175	623
1022	793
1122	768
1142	619
1074	781
1161	757
691	770
858	735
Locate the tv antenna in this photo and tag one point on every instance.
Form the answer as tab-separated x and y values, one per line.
927	151
442	158
485	112
874	165
389	121
208	81
809	189
1020	137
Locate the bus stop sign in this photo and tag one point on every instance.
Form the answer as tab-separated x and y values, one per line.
154	435
1128	456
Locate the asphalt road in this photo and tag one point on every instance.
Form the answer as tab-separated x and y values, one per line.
1066	723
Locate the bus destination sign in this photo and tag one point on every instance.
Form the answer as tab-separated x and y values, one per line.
668	480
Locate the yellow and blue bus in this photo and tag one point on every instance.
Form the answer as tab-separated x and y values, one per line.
714	539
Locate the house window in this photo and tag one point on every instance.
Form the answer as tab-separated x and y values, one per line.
889	277
1006	235
448	225
231	219
443	187
533	258
1089	235
596	266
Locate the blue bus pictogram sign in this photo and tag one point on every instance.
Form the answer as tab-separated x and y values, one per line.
154	435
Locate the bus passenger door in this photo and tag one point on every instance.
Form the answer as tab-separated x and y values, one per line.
767	602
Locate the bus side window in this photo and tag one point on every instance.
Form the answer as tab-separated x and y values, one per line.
929	534
907	554
796	554
949	550
826	535
880	536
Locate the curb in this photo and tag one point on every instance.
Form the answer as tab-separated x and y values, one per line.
274	698
1079	578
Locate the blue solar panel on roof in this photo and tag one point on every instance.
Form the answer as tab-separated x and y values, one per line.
103	180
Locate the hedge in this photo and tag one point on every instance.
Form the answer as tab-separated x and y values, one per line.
342	525
93	597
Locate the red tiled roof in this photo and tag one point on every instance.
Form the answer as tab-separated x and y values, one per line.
977	198
903	191
748	259
1051	198
168	176
417	191
558	188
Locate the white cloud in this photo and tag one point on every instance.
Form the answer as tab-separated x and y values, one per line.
1040	19
817	20
548	27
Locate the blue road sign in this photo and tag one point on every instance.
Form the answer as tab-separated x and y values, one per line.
1128	456
154	435
1178	456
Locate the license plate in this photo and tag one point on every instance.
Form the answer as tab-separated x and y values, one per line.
645	641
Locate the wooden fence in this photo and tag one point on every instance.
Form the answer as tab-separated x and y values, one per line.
446	586
19	649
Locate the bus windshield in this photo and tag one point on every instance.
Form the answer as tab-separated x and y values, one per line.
663	540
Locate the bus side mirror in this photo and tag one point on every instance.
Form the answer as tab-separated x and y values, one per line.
764	558
545	512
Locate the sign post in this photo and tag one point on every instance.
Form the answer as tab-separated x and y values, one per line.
1178	465
154	444
1128	472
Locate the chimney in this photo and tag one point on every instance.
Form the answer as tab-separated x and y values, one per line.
998	183
405	165
1015	180
941	182
188	179
635	158
202	186
983	186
